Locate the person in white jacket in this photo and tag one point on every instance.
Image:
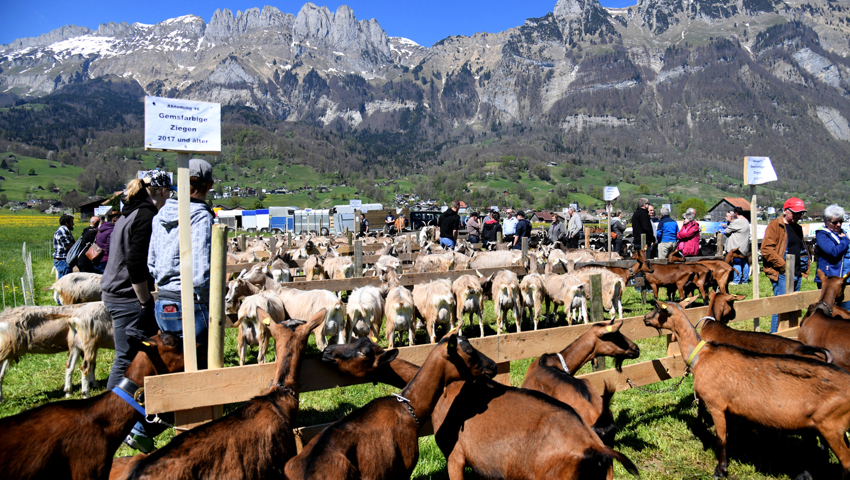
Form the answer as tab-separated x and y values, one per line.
738	236
574	230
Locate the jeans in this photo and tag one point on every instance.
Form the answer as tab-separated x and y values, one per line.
62	267
779	289
741	271
447	242
473	239
169	317
126	316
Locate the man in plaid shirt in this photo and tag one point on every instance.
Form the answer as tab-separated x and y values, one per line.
62	242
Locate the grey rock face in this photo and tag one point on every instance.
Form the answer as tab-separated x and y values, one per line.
225	27
118	30
317	27
62	33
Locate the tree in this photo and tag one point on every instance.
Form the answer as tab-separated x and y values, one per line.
3	164
258	205
73	199
642	188
235	202
51	186
31	172
694	203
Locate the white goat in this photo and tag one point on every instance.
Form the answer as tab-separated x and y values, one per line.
91	325
238	289
337	267
77	287
252	331
612	288
436	304
435	262
566	290
44	330
533	291
469	296
398	307
496	259
314	268
364	311
506	296
427	233
302	304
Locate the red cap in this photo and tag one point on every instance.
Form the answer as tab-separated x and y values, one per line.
795	205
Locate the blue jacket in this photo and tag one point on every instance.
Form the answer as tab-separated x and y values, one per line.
834	254
667	230
164	251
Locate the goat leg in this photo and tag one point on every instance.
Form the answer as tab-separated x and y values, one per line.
241	345
518	316
73	356
835	439
718	416
480	322
3	368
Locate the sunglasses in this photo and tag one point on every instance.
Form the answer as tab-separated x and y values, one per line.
837	222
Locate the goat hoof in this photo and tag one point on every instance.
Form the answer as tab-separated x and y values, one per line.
804	476
720	473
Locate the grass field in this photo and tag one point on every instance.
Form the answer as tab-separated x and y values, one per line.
660	433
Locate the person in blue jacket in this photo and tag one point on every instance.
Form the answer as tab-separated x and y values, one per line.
833	245
666	233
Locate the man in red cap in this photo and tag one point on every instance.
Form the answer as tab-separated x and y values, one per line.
784	236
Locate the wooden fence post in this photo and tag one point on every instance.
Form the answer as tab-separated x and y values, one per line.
790	319
720	241
272	245
586	237
358	258
350	236
596	312
498	237
754	252
409	244
242	242
288	239
218	277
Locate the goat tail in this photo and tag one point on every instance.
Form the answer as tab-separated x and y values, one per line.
624	461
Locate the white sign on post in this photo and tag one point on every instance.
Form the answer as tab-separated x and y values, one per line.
610	193
355	204
182	125
758	170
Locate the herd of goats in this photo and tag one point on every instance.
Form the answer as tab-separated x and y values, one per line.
559	425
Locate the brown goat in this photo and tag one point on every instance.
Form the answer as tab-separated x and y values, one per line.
380	440
550	376
821	329
783	392
721	270
463	426
670	276
76	439
721	311
256	440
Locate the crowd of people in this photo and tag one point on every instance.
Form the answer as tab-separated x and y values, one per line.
140	250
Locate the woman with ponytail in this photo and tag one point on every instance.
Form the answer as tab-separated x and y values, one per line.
126	282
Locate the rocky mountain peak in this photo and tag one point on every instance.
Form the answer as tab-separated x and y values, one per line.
225	26
62	33
580	18
317	27
574	8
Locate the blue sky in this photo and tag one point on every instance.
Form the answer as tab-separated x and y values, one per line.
424	22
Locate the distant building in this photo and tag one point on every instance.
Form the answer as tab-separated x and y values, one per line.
717	213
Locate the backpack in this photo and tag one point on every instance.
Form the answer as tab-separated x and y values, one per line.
78	248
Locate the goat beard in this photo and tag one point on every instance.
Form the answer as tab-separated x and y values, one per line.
618	364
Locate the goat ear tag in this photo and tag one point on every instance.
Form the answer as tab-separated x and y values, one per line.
147	344
662	305
267	321
609	328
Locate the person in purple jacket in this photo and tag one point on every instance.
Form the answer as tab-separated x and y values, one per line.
104	235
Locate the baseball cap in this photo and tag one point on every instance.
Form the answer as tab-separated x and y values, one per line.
795	205
201	169
158	178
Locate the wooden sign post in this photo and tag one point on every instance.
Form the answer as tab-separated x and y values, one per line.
185	127
757	170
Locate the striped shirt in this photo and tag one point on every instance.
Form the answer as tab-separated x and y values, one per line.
62	242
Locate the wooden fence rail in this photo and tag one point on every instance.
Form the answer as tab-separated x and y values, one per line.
191	390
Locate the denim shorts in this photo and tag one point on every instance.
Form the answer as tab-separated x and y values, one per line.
169	318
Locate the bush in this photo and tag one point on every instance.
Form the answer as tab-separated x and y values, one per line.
31	172
694	203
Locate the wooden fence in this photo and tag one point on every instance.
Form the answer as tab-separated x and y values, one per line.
212	388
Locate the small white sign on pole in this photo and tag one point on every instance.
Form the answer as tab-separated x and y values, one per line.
610	193
102	210
758	170
667	206
182	125
355	204
771	211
